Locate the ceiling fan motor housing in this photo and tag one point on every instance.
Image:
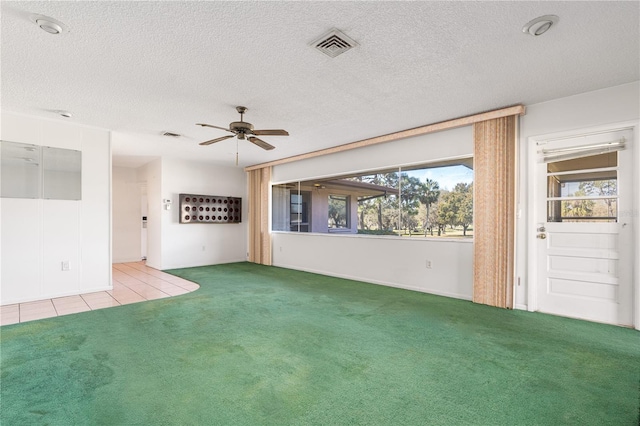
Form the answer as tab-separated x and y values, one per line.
241	128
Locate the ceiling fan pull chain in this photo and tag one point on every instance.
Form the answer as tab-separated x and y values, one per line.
237	150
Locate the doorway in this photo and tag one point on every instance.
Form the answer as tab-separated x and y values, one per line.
581	246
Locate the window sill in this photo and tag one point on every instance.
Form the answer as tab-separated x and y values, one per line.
380	237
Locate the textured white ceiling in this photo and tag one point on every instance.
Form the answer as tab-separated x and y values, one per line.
140	68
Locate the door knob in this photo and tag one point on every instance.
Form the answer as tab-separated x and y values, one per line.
542	236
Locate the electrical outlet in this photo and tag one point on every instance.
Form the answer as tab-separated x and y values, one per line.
428	264
66	265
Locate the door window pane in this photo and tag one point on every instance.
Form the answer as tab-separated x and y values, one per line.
600	161
568	186
585	195
583	210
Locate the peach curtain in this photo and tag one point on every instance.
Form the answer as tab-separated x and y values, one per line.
259	237
494	211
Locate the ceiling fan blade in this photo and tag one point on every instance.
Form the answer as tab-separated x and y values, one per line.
262	144
216	140
212	126
272	132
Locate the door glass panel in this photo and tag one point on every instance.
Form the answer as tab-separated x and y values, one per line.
579	186
583	189
583	210
600	161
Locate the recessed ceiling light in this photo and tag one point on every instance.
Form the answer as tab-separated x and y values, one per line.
540	25
49	25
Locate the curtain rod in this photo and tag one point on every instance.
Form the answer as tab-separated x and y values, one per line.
403	134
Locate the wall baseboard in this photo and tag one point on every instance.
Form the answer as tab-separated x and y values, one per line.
378	282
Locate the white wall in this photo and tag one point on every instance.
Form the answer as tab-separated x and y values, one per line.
127	215
38	235
176	245
453	143
393	261
602	107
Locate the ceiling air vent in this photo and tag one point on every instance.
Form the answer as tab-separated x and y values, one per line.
334	43
171	134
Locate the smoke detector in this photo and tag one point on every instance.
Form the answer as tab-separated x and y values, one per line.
49	25
334	43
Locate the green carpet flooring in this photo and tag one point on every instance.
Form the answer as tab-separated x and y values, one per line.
260	345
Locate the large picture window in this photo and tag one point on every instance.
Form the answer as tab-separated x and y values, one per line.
430	200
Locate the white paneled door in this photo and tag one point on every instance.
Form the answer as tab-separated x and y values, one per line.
583	244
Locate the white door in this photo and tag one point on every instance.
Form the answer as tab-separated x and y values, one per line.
584	247
144	210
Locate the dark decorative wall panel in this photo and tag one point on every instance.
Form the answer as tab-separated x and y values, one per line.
210	209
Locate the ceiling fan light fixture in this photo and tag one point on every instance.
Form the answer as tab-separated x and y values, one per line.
50	25
540	25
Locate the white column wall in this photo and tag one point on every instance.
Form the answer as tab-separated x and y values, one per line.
38	235
391	261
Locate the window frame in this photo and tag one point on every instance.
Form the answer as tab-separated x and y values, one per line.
461	160
347	212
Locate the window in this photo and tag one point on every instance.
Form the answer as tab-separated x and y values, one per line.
434	199
338	212
32	171
290	208
300	212
21	174
583	189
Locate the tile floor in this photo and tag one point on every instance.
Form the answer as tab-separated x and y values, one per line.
132	283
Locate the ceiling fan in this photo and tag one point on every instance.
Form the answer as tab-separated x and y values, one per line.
244	130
